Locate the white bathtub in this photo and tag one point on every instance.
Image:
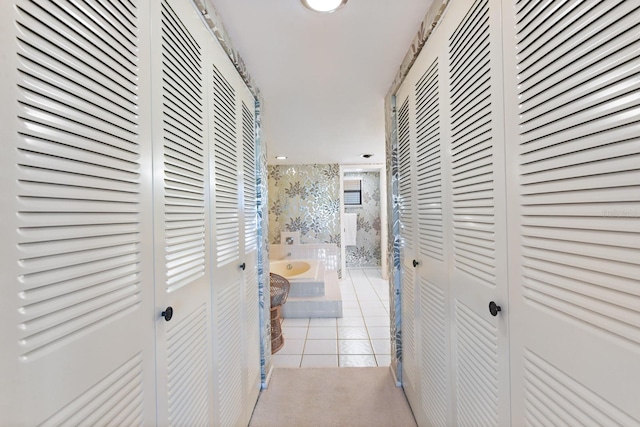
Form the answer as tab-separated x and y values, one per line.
306	269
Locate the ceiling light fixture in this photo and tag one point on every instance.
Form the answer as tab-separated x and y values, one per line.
324	6
281	157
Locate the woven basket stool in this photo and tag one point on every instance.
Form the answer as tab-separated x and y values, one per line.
279	287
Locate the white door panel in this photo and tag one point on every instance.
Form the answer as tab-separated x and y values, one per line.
227	286
250	245
76	255
406	198
574	228
457	352
235	286
478	272
183	273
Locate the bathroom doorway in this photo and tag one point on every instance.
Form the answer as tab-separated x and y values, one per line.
368	248
361	336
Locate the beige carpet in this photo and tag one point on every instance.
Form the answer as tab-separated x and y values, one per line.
332	397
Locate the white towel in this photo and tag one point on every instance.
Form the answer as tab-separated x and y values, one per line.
350	228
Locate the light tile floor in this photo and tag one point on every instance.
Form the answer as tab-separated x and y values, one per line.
360	338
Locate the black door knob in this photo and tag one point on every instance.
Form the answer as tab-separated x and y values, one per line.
168	313
415	263
243	266
494	308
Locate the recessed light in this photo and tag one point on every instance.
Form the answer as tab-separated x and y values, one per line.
325	6
281	157
366	156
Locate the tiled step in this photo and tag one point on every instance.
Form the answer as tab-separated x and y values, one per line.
308	287
327	305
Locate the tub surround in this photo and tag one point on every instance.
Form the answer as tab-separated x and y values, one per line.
314	292
303	300
327	253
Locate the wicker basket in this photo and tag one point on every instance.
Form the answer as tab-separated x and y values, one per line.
279	289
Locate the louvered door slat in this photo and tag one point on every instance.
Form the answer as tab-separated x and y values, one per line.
44	179
405	179
184	137
234	203
472	178
428	165
229	368
434	354
409	356
476	173
76	150
251	363
52	25
118	16
575	189
226	172
188	370
249	165
477	387
574	45
182	177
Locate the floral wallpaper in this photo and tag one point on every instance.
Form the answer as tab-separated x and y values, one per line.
367	251
213	20
263	247
429	22
305	198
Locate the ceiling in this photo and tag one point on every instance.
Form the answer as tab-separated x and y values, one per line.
323	77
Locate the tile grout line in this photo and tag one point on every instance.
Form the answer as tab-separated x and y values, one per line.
369	286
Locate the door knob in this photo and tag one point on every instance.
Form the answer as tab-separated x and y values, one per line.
415	263
243	266
168	313
494	308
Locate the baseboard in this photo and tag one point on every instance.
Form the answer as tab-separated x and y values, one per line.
395	378
265	384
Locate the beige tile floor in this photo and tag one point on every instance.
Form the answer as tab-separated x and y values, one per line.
360	338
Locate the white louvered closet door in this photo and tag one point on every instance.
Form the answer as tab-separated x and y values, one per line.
574	169
405	104
433	314
475	167
76	300
249	240
228	258
182	228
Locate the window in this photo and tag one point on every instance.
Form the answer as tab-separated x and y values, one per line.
353	192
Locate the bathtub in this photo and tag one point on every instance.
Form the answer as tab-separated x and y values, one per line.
296	268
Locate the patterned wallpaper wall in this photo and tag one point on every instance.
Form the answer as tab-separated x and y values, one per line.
367	251
263	247
305	198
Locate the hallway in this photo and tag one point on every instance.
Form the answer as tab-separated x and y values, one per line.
360	338
336	397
